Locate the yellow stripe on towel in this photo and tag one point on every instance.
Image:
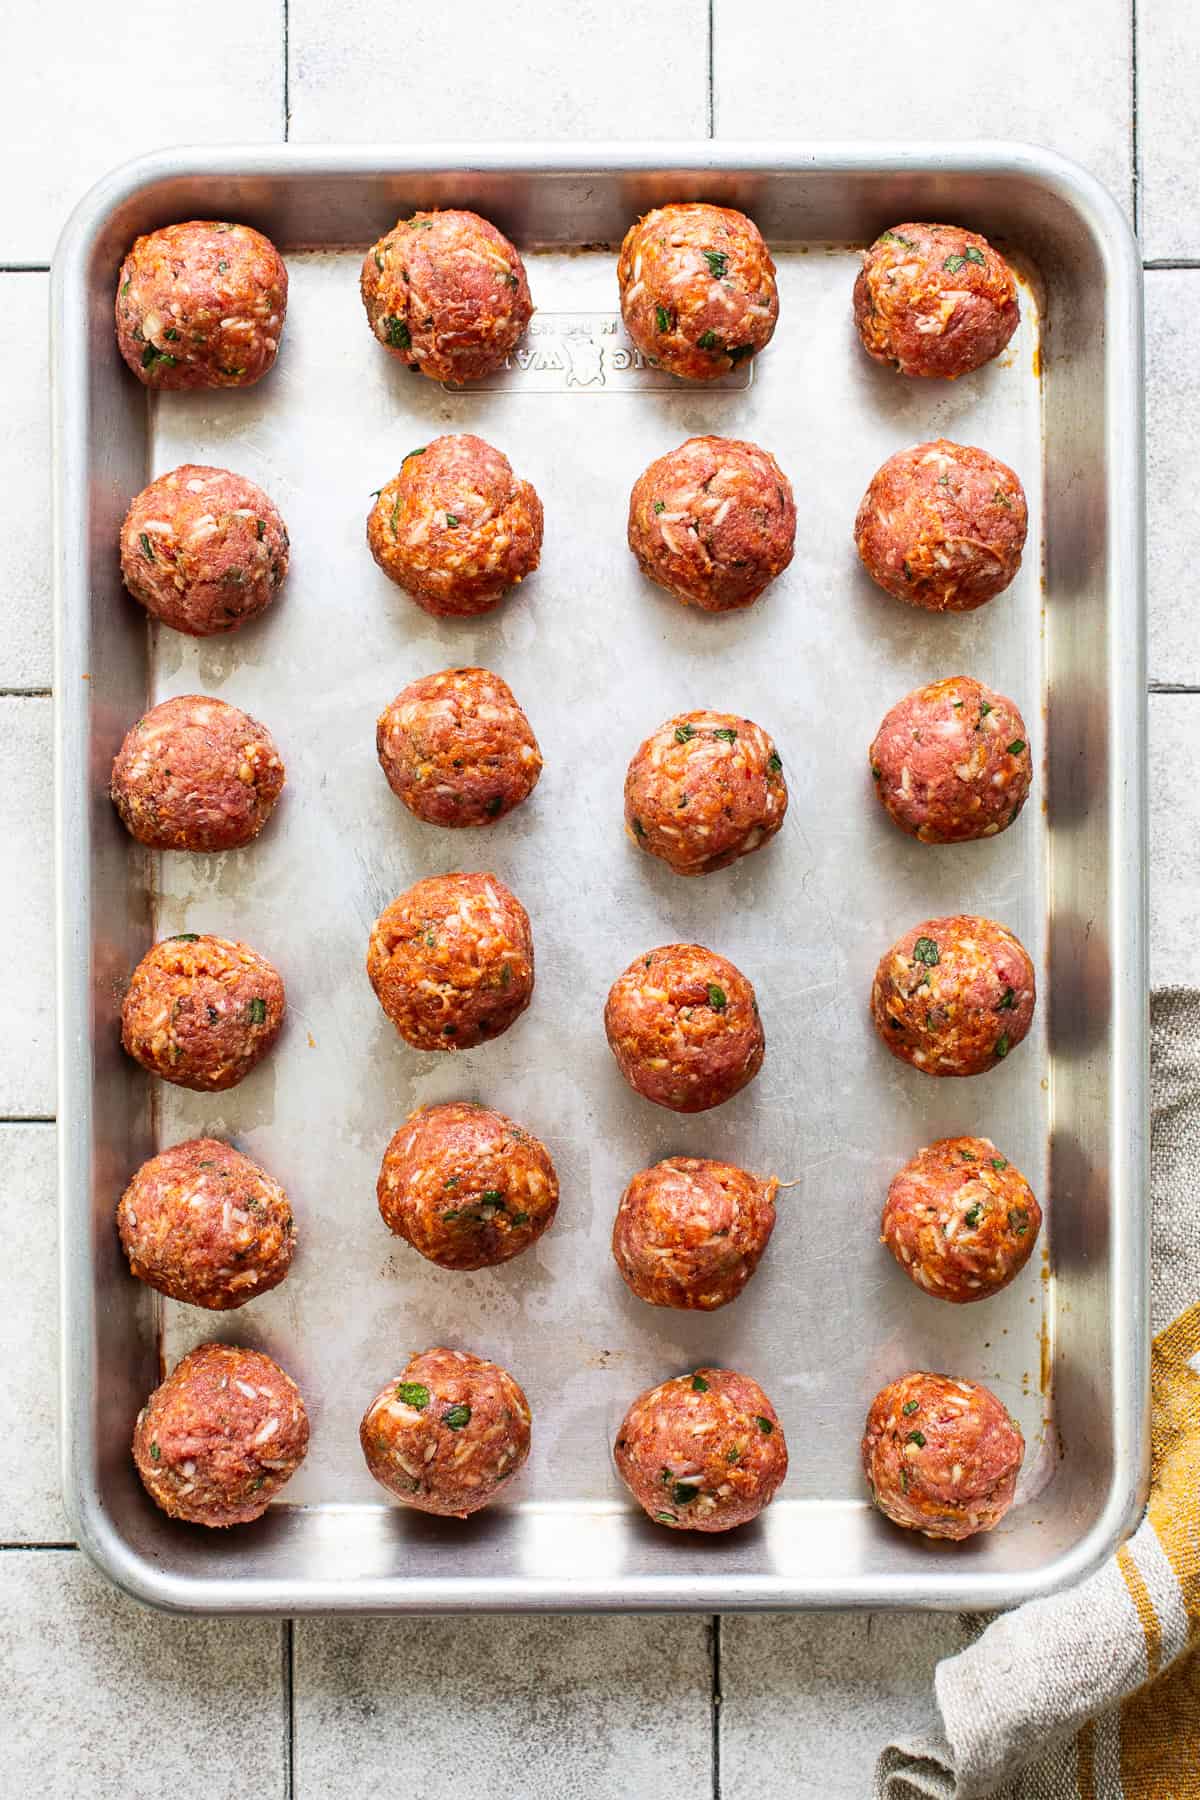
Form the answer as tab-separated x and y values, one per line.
1160	1735
1174	1509
1139	1593
1160	1724
1085	1753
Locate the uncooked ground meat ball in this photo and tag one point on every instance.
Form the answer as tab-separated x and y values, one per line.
951	762
201	1011
203	550
457	748
456	528
953	996
683	1025
196	774
466	1187
934	300
451	961
942	525
713	522
704	1452
224	1432
960	1219
706	788
697	289
205	1225
689	1232
446	1432
942	1456
201	305
446	293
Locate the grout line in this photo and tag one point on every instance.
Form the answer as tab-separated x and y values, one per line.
715	1706
1134	147
289	1708
20	268
287	89
16	1545
1173	687
711	111
1172	262
26	693
28	1119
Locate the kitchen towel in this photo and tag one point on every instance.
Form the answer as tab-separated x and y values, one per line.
1095	1694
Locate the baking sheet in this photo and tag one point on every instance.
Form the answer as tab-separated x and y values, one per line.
599	657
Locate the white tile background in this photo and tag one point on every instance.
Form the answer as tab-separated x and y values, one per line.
534	1708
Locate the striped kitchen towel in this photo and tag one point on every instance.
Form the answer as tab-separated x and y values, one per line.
1095	1694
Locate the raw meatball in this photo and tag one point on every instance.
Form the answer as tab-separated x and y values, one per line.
713	522
456	528
201	305
451	961
942	1456
704	1452
942	525
196	774
224	1432
205	1225
697	289
953	996
457	748
446	1432
951	762
689	1232
446	293
683	1025
203	550
200	1011
960	1219
706	788
466	1187
934	300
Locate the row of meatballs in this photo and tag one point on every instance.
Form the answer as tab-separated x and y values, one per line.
941	525
468	1188
202	304
705	1451
949	763
452	965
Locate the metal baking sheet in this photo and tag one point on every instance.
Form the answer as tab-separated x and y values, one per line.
599	658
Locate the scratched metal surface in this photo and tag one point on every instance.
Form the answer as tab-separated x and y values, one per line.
599	657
